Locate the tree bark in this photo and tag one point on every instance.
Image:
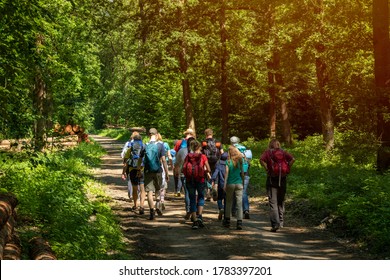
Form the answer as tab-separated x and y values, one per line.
223	85
381	42
322	81
188	108
40	103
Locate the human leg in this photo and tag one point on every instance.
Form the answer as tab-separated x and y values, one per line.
245	197
272	193
228	204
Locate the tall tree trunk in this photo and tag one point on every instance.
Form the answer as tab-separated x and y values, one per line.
40	104
189	111
381	43
223	85
323	81
272	103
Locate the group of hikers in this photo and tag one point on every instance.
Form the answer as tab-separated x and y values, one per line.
202	170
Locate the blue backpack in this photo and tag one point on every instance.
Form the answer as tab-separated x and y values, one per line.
245	160
152	159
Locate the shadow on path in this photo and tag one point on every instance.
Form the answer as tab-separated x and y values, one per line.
170	237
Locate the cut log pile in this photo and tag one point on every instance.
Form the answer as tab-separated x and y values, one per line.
10	244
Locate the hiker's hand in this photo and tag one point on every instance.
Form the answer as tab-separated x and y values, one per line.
167	178
124	176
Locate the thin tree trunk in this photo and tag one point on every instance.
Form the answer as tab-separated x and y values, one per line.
381	43
272	103
40	104
325	98
223	85
189	111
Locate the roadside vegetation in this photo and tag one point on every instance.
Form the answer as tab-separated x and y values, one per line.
60	201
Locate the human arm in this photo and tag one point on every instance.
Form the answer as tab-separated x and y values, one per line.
226	177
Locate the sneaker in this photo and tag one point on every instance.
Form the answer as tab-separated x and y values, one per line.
200	223
246	214
195	225
187	216
141	211
178	194
220	214
239	225
134	208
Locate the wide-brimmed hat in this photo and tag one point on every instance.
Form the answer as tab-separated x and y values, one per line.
189	131
234	140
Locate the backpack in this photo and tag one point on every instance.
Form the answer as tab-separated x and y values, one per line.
279	164
211	151
136	147
183	144
152	159
193	168
247	156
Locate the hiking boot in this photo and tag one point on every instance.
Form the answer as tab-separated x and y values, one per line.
220	214
187	216
152	214
195	225
141	211
246	214
226	223
200	223
274	229
239	224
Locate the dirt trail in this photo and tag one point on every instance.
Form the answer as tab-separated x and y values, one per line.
170	237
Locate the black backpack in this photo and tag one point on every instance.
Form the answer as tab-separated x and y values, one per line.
211	151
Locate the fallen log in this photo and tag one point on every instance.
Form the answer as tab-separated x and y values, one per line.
8	202
13	249
41	250
6	233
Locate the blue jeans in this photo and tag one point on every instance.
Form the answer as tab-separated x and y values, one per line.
245	197
186	194
195	190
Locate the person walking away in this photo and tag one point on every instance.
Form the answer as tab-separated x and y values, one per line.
218	182
247	157
213	150
277	164
195	168
154	162
234	181
130	171
180	157
160	203
123	153
180	144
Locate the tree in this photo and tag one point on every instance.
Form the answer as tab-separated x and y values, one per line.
382	78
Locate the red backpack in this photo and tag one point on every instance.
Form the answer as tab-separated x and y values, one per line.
193	168
279	165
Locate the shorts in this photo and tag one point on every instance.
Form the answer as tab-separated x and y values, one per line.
153	181
135	180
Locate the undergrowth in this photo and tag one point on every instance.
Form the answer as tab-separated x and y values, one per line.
60	201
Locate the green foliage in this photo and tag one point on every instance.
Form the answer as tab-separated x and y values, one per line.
58	200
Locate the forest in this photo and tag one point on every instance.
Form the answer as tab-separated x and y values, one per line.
313	73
